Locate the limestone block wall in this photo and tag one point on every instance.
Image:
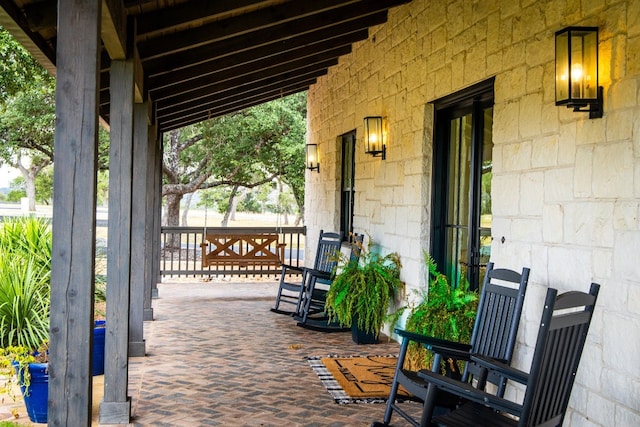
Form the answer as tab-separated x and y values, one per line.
566	189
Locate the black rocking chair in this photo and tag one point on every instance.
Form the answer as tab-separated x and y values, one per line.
561	338
312	313
291	292
494	335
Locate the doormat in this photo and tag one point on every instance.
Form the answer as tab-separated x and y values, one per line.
357	379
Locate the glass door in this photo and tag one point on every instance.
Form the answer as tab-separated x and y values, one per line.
462	190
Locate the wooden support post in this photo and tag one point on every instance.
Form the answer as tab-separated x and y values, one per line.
74	213
157	219
139	224
116	405
150	241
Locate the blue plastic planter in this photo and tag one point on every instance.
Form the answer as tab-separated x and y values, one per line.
98	347
36	395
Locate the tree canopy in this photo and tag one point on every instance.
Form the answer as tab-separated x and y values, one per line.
27	115
18	69
243	149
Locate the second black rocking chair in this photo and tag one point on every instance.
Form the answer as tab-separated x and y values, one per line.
494	335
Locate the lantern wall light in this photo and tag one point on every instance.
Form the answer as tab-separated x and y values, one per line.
577	70
375	136
311	155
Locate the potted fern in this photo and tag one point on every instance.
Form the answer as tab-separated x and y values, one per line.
362	292
443	312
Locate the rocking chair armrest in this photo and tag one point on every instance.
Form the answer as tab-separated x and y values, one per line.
431	343
292	267
327	275
455	353
501	368
467	391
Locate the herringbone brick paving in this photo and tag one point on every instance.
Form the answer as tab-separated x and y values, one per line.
216	356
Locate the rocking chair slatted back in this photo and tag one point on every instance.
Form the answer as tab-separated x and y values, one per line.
498	318
557	354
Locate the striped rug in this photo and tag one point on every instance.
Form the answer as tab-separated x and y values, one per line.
356	379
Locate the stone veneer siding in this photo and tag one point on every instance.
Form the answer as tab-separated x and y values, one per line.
566	189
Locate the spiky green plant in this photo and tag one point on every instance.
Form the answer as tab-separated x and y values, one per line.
24	302
25	271
364	289
27	238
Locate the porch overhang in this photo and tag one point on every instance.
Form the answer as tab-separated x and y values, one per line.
198	59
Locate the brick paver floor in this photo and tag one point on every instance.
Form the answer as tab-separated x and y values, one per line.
216	356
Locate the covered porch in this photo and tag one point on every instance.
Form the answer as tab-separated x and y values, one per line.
216	355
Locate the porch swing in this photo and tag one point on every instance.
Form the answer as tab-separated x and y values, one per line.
241	249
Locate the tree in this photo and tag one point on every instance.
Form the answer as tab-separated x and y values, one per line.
27	126
245	150
43	187
18	69
27	115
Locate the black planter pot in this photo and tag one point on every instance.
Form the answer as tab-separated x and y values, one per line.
360	337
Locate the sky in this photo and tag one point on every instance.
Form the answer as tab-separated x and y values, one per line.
7	174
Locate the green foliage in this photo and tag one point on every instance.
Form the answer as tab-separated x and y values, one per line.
249	203
28	121
18	69
44	186
25	269
15	195
244	149
444	312
14	366
364	289
24	302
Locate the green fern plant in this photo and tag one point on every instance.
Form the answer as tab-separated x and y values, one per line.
364	289
443	312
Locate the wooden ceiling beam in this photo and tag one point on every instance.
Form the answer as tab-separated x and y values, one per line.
238	94
179	15
190	88
113	30
211	92
233	53
173	62
251	22
165	127
42	15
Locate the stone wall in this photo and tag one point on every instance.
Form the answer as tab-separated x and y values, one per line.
566	189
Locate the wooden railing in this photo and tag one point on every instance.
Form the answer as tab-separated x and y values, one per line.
181	251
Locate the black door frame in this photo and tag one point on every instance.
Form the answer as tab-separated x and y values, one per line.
471	100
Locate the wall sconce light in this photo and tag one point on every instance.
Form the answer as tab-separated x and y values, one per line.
311	155
577	70
375	137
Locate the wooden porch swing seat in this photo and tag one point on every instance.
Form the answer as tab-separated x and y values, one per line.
561	338
291	292
494	335
242	250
